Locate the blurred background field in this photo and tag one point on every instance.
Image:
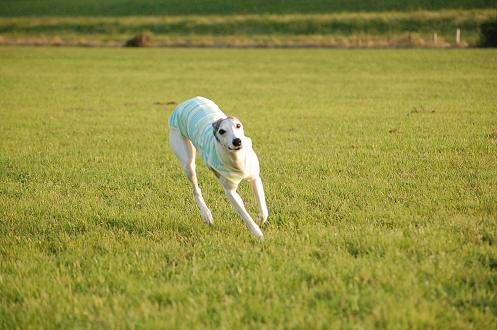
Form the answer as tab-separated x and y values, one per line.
245	23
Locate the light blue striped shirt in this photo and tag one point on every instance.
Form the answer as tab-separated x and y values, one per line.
194	118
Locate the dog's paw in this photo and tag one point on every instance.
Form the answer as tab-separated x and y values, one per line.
262	217
207	216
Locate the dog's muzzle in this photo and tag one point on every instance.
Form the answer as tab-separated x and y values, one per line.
237	144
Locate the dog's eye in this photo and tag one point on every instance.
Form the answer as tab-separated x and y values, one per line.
238	125
222	131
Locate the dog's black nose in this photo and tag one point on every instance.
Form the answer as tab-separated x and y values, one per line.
237	142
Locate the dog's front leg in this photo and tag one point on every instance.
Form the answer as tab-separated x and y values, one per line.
261	199
237	203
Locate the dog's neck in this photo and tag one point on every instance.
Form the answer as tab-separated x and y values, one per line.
234	159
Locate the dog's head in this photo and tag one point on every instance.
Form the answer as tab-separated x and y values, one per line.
229	133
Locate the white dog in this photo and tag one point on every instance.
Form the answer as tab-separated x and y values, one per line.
199	124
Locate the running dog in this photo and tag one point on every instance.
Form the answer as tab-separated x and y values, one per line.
199	125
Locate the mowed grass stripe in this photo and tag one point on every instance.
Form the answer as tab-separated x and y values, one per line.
379	168
374	23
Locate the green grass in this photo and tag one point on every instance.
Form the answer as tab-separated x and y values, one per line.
380	169
16	8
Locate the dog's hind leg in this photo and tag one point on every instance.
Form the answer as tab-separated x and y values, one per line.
185	152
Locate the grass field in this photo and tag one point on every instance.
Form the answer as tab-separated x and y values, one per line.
380	169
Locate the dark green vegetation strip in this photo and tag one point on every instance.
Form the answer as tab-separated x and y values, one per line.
379	168
15	8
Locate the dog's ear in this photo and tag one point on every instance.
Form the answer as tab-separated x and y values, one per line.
215	127
216	124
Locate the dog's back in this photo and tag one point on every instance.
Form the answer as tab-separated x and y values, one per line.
194	118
